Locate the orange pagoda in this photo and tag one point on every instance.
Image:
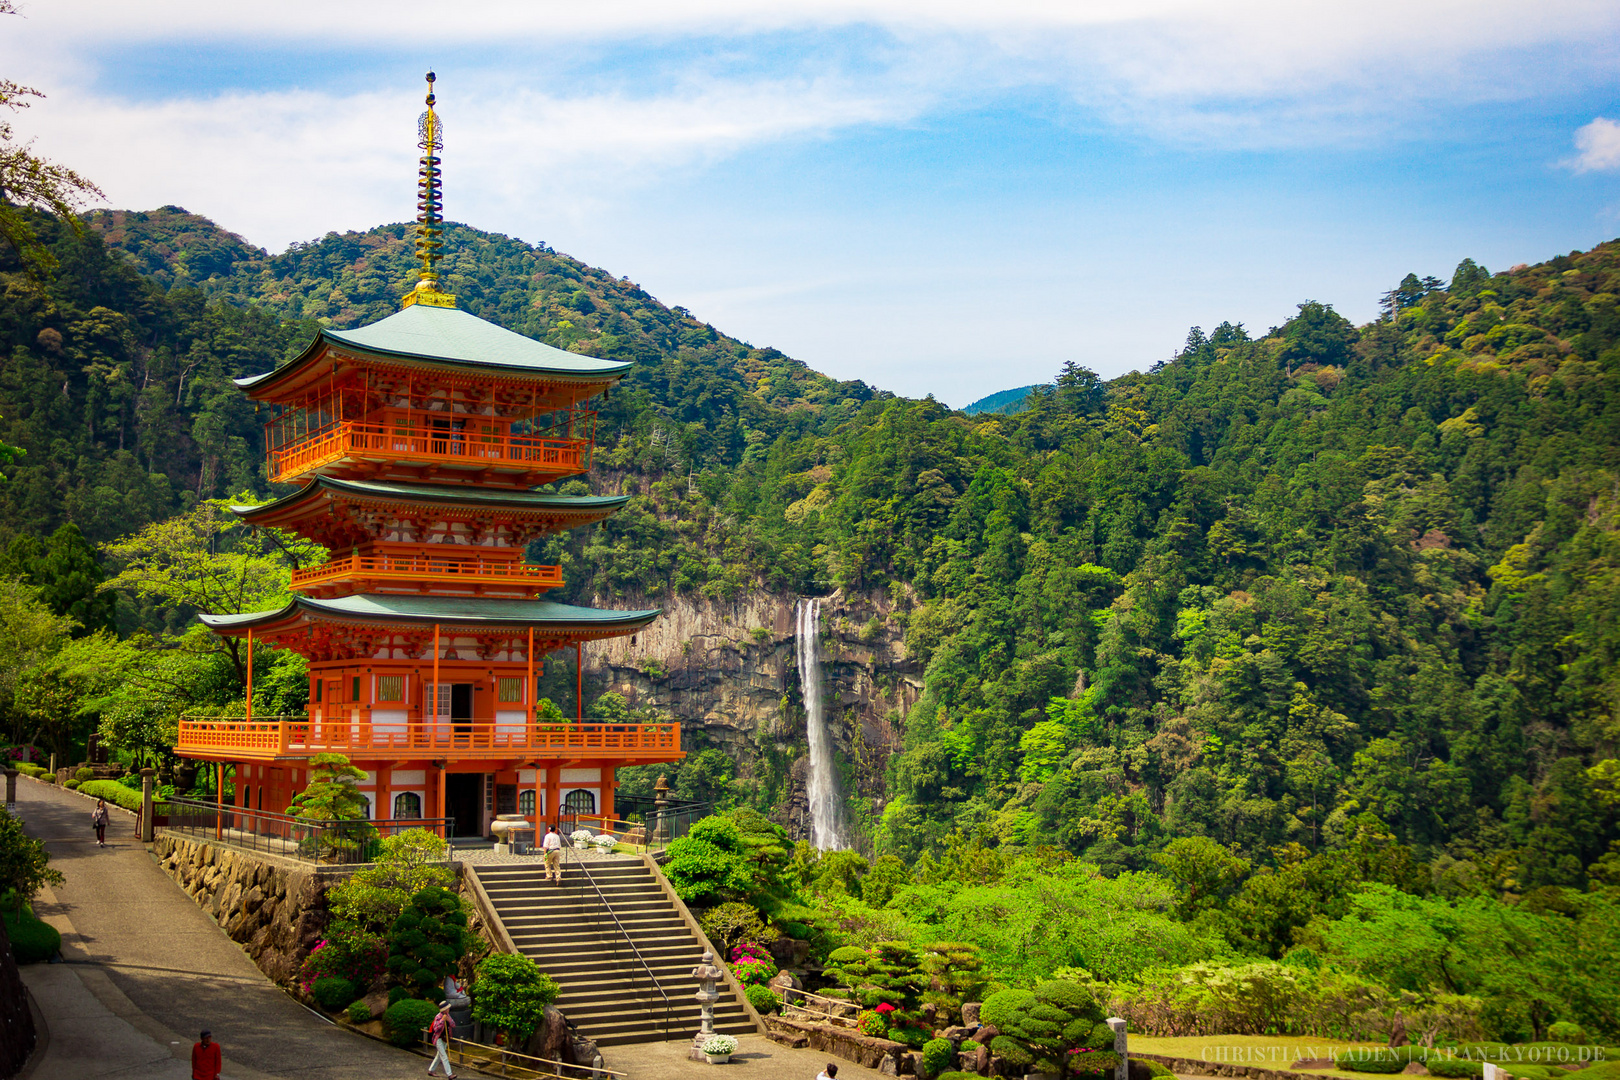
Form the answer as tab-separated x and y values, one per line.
419	442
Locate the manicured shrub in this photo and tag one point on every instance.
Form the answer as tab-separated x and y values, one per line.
1154	1068
763	999
1379	1059
333	994
72	785
937	1056
970	1045
510	994
427	941
397	994
119	795
872	1023
957	1076
33	941
49	778
752	965
1084	1061
359	1012
1456	1068
909	1035
28	768
405	1020
729	925
1011	1051
84	774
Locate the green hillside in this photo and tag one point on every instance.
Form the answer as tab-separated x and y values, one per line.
1338	582
1005	402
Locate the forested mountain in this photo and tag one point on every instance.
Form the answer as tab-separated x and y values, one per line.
1337	586
1007	402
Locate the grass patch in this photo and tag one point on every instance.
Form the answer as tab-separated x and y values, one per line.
33	941
1255	1051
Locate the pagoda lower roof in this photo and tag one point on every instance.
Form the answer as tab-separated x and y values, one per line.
569	510
455	612
449	339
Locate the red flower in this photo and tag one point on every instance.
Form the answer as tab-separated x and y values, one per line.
885	1008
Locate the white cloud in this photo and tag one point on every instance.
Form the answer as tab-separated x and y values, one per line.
1599	146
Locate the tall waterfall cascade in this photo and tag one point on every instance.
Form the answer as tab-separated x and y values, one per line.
826	809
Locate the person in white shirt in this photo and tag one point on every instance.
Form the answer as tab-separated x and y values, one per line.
552	846
829	1073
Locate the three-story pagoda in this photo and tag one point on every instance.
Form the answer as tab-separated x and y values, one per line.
419	442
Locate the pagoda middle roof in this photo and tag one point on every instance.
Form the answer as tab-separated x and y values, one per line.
453	611
587	508
452	338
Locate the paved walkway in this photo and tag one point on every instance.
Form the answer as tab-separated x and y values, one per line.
147	970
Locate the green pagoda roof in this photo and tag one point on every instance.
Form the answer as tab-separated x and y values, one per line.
455	611
449	336
589	507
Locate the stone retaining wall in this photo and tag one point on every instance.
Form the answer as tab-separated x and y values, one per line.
1196	1067
274	907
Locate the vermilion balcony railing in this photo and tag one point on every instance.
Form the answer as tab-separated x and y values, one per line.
421	568
237	738
382	442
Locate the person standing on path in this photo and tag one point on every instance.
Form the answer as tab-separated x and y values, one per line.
98	818
552	845
441	1031
205	1058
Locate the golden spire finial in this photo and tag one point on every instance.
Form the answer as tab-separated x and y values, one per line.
429	208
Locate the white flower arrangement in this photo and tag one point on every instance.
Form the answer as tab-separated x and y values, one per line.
604	842
719	1045
581	836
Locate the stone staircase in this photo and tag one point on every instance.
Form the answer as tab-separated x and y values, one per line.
606	991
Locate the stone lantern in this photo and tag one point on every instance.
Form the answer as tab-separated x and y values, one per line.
707	975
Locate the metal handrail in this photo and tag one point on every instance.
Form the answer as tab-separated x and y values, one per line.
480	1060
338	840
585	874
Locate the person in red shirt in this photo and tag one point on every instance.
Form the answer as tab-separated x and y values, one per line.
205	1059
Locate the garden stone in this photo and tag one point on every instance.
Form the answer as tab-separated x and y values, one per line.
376	1003
970	1013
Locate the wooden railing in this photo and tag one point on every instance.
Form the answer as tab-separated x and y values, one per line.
233	738
508	453
423	568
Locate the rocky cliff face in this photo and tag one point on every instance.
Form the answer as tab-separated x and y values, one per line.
728	670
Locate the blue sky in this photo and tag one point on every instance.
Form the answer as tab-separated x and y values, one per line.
937	198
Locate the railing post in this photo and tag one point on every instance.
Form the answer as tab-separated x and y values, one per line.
146	804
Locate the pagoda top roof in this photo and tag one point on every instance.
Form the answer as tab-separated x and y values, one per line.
451	339
451	611
588	508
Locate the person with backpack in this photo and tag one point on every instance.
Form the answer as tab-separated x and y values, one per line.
98	818
441	1031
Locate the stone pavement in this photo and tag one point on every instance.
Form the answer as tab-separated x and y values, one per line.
147	970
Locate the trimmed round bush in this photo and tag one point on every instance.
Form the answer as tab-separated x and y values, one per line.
405	1020
1154	1068
333	994
1010	1051
970	1045
871	1023
957	1076
849	954
90	774
907	1035
49	778
938	1055
1372	1060
359	1012
397	994
763	999
1456	1068
72	785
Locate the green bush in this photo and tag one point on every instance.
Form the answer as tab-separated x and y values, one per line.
1456	1068
969	1045
49	778
333	994
397	994
763	1000
909	1035
1379	1059
427	941
958	1076
1154	1068
405	1020
85	774
510	994
28	768
33	941
871	1023
938	1055
119	795
359	1012
1011	1051
1094	1063
71	785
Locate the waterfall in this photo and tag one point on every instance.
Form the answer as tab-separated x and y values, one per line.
826	811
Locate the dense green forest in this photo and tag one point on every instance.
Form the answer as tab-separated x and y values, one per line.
1341	601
